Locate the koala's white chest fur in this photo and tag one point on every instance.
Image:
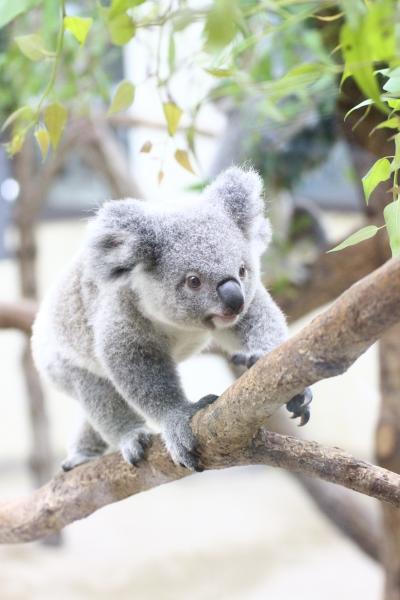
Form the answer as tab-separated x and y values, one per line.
184	343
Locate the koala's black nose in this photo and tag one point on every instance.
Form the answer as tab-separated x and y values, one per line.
231	295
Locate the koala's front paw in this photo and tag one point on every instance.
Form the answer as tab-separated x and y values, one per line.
179	438
246	359
300	406
134	444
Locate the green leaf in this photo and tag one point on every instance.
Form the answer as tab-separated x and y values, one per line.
182	158
220	72
393	123
16	143
43	140
393	103
11	9
359	236
367	102
123	97
391	213
25	113
122	29
79	27
396	160
55	118
119	7
32	46
380	171
368	40
220	27
173	115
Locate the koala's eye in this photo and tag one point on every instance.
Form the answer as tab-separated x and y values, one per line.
242	272
193	282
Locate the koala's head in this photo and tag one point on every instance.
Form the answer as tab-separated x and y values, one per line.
194	266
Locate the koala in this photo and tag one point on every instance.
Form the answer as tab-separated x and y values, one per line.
152	284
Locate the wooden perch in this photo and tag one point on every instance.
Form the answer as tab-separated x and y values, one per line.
230	431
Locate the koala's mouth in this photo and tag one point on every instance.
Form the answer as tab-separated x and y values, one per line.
224	319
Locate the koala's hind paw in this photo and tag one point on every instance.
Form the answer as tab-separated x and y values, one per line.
134	445
78	458
246	360
180	440
300	406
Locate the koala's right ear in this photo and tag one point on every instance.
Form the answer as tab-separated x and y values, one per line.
121	236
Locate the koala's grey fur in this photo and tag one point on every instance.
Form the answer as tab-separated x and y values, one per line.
112	329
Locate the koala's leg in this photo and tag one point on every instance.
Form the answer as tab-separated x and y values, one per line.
117	423
87	444
148	380
260	330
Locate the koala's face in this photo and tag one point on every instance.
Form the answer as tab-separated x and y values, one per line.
204	276
195	266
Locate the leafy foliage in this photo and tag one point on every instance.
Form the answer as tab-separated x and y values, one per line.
273	52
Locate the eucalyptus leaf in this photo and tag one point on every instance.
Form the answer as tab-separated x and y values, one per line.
32	46
220	27
380	171
173	115
182	158
43	139
119	7
55	118
122	29
391	213
79	27
11	9
359	236
123	97
24	113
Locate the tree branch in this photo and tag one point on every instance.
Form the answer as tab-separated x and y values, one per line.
230	430
17	315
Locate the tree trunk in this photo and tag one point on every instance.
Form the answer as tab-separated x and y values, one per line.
41	459
388	453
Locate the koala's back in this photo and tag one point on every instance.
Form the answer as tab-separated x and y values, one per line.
62	329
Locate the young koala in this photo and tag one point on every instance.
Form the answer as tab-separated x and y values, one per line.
151	285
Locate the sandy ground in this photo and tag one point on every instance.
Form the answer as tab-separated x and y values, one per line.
245	533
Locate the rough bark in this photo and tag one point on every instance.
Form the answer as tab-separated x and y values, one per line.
388	453
230	431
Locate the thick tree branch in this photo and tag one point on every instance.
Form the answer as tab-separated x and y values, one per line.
230	431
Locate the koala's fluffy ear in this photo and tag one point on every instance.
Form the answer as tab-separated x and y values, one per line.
121	236
239	191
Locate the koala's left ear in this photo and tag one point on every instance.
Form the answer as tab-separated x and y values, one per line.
120	237
239	192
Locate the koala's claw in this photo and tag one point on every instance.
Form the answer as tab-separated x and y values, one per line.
77	458
180	440
300	406
246	360
205	401
133	447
